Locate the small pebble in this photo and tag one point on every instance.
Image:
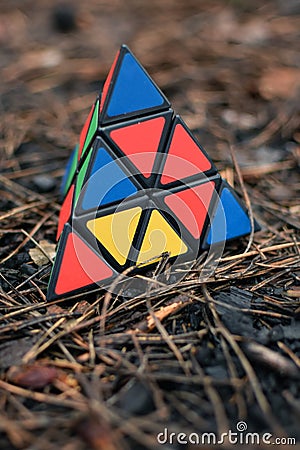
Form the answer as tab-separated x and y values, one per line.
28	269
137	399
276	333
64	18
289	8
44	183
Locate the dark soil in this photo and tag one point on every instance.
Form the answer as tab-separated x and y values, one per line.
99	373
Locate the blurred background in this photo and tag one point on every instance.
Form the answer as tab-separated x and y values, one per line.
230	68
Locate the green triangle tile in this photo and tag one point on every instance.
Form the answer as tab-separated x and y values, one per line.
81	176
72	170
92	129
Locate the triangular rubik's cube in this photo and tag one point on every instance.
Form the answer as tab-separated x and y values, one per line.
137	187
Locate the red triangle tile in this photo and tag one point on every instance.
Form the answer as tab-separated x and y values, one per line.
185	158
108	81
191	206
80	266
140	142
65	211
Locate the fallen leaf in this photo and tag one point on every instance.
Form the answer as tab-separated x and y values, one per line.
12	352
82	306
32	376
253	32
148	324
279	82
98	436
264	355
39	257
294	292
56	309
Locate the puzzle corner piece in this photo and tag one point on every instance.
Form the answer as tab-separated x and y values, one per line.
230	219
77	267
129	91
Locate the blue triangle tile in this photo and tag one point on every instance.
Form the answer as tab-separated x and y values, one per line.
132	90
230	219
107	182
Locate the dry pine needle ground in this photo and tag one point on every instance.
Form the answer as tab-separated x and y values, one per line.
99	373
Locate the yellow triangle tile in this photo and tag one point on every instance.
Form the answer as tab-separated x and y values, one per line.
160	238
116	231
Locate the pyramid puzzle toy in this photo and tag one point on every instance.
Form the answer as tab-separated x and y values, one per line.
137	187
